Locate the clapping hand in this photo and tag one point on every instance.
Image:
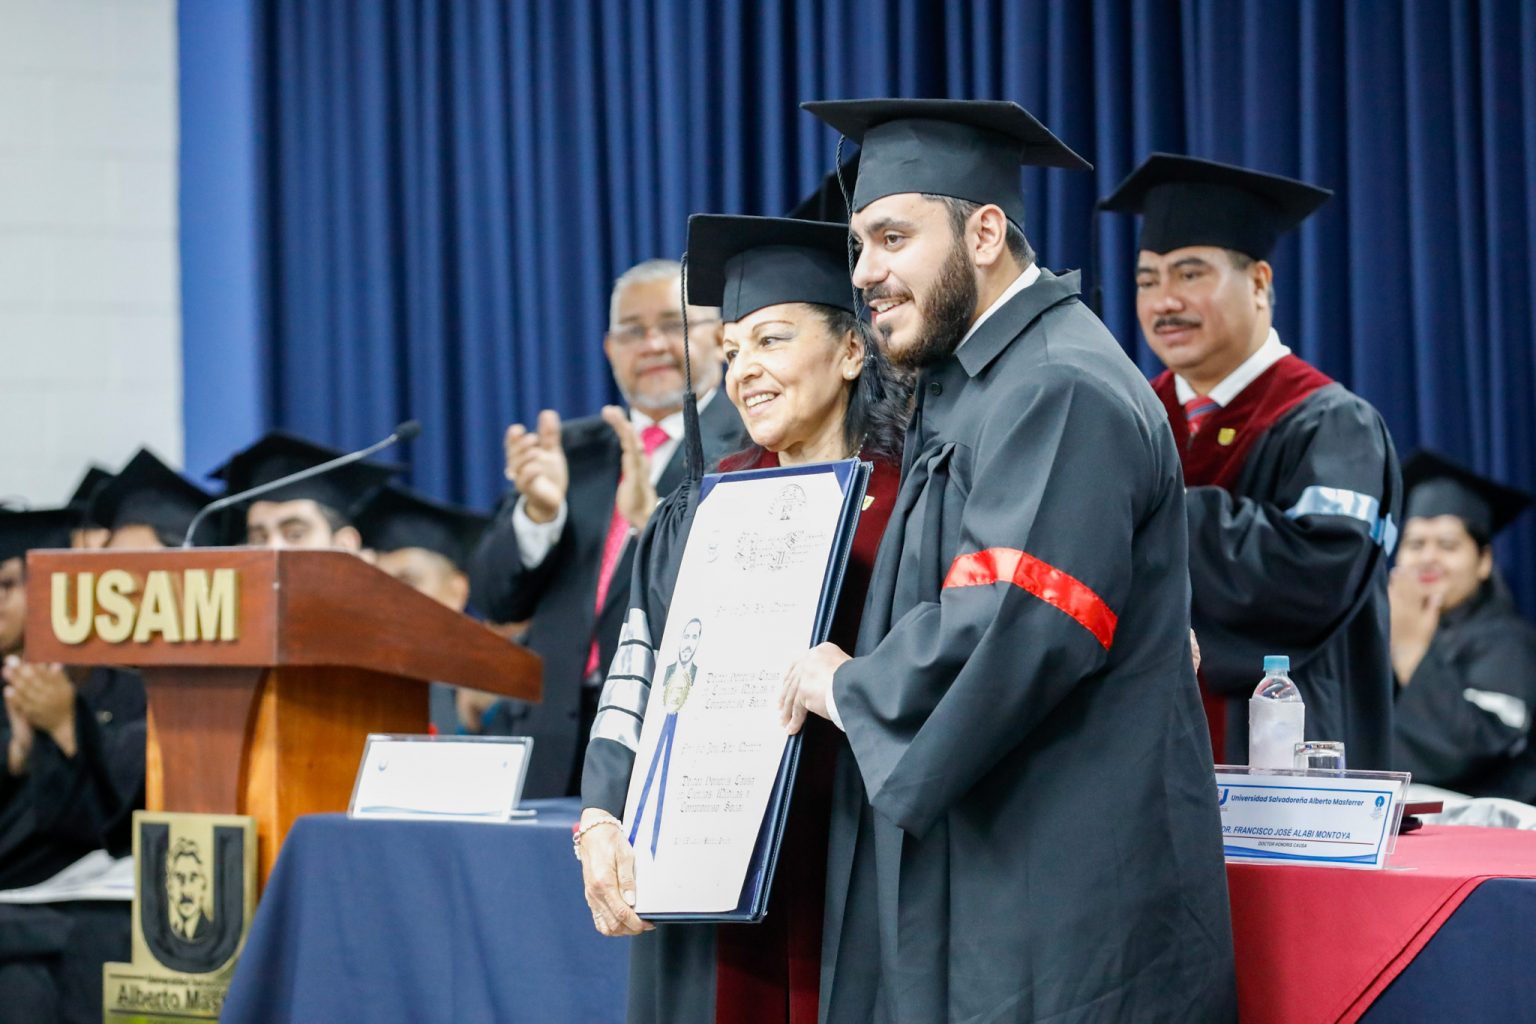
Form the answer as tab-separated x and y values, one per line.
536	466
636	496
22	734
1416	610
43	695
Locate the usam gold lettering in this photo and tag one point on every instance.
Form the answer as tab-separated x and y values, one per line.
196	605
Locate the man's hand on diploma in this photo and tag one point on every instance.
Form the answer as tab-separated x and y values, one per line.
807	684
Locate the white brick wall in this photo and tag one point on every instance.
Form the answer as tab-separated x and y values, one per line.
90	325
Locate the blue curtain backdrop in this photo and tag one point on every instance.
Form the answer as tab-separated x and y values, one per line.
447	189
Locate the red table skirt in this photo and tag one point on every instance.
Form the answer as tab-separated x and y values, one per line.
1320	944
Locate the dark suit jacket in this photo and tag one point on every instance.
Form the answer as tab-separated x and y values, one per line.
559	594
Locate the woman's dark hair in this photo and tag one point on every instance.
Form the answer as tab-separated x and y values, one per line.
879	401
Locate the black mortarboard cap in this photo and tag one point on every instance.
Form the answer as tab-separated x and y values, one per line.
827	202
396	518
742	264
280	453
95	477
1436	486
966	149
147	492
21	532
1186	201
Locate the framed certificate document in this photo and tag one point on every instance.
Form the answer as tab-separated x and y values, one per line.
714	772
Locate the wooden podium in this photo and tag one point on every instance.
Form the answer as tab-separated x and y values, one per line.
265	670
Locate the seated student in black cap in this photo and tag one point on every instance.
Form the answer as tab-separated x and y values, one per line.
1293	481
88	533
426	545
310	514
96	713
1026	636
20	531
73	775
811	385
149	505
1464	658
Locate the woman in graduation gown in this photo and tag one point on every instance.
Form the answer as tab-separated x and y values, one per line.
1464	659
811	385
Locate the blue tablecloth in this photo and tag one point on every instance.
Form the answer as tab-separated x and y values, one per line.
417	922
1480	966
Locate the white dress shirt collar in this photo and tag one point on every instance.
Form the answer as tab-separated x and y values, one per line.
1267	355
1030	275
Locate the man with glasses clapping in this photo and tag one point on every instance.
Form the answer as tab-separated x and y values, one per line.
558	553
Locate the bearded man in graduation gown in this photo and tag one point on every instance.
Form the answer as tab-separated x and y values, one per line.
1294	486
1026	828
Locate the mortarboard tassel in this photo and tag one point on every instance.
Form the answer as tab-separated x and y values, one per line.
875	385
693	446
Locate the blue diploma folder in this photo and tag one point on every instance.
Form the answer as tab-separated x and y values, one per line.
853	479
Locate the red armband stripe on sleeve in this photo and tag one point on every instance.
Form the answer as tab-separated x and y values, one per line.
1048	583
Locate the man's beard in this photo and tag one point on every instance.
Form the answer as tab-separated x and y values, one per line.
664	401
653	403
945	315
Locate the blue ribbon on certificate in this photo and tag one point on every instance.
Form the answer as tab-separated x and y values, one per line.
664	756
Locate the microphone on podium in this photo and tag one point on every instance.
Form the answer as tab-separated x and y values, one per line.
404	432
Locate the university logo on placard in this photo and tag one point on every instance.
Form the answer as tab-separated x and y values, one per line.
192	908
193	898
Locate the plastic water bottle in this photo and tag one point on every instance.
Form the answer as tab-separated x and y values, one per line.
1276	717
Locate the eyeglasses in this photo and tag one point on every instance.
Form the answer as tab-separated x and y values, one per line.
672	330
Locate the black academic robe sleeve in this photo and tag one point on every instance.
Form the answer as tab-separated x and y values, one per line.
1465	714
89	799
961	679
10	784
1268	581
610	753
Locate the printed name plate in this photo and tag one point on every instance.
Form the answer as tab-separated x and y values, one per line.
441	778
1320	818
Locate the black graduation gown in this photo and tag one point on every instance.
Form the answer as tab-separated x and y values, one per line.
1270	578
1027	826
1464	719
672	970
51	954
66	807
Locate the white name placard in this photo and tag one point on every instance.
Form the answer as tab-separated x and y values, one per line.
441	778
1335	819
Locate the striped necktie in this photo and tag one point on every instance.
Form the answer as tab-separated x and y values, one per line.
1195	412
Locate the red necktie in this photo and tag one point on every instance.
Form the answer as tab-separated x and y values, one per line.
651	438
1195	412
